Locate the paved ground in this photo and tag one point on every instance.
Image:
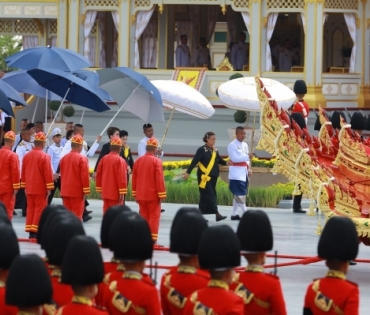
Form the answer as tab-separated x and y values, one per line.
294	234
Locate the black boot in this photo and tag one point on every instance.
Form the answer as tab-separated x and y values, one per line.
297	204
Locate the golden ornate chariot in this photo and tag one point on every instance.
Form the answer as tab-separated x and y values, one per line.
333	169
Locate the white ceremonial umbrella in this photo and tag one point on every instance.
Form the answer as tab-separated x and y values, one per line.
241	94
183	98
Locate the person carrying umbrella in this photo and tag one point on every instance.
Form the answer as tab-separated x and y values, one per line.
207	158
9	175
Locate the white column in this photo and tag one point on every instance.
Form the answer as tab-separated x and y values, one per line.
256	45
162	38
125	39
62	24
73	24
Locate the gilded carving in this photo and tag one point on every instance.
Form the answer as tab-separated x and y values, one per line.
32	10
51	10
12	9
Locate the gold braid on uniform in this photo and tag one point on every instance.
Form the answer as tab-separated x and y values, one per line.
254	269
336	274
82	300
323	302
218	284
199	307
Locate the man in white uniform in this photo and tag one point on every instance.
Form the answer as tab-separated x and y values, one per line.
239	171
240	53
24	147
202	57
55	150
69	126
149	133
22	125
183	53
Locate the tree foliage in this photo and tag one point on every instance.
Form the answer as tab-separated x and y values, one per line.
9	45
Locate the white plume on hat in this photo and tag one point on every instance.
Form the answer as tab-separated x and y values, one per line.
55	132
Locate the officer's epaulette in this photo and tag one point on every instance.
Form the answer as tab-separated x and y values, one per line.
21	144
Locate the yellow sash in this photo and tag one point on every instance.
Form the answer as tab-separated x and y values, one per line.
125	151
205	176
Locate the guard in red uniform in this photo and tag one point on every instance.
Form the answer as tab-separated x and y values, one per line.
131	294
148	187
28	286
334	294
9	249
114	265
9	174
219	252
181	281
56	239
82	269
261	292
37	179
300	89
75	178
111	176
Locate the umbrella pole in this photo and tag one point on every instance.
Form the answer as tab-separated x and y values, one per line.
252	148
34	112
46	107
167	126
82	116
56	114
115	115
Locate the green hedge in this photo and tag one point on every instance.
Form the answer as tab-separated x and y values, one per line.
182	192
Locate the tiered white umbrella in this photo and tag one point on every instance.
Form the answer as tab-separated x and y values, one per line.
181	97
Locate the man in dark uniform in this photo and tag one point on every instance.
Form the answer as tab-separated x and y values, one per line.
261	292
82	269
219	252
28	286
334	294
179	282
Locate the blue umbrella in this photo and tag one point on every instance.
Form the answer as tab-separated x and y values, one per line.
70	87
48	57
12	94
23	82
5	105
133	92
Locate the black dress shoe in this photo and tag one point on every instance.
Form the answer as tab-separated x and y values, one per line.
220	217
299	211
89	212
235	217
162	210
352	263
86	218
15	213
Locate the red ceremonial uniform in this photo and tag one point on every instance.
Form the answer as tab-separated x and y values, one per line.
301	107
214	299
62	293
111	179
80	305
177	284
9	178
261	292
75	179
6	309
37	179
332	295
132	295
148	189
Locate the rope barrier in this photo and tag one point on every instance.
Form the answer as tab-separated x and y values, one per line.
299	259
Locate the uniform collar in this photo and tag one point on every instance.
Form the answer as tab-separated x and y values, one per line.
186	269
82	300
218	284
132	275
254	268
336	274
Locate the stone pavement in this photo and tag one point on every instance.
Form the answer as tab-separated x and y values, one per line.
294	235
